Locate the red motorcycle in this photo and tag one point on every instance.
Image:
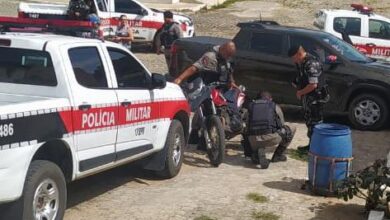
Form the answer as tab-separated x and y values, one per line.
230	108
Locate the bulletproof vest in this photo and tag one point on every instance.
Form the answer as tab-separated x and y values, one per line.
224	69
168	36
303	78
262	117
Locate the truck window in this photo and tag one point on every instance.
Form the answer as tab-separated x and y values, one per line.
101	4
267	43
88	67
31	67
351	26
127	6
129	72
311	46
379	29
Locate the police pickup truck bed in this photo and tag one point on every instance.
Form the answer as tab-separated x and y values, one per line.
359	86
72	107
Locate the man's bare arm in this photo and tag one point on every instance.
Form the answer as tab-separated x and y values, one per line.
186	74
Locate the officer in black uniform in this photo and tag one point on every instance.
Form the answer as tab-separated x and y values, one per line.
78	10
311	89
167	34
267	128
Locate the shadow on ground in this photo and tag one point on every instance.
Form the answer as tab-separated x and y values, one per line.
93	186
289	185
338	211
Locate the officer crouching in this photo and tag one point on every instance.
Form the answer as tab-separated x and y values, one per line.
267	129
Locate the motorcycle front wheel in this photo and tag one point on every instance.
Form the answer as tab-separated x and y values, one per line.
216	134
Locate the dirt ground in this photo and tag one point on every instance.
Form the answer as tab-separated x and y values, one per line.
203	192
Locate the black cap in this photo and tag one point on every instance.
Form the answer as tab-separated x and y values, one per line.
293	50
168	14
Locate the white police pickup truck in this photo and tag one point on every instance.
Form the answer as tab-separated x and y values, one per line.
72	107
369	32
144	21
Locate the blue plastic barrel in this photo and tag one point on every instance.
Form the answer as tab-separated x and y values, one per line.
330	157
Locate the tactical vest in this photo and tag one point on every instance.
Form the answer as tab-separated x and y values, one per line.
168	36
224	69
262	117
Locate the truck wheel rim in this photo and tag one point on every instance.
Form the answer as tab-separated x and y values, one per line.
367	112
46	200
177	150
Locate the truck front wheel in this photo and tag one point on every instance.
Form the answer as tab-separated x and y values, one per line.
368	112
44	194
175	145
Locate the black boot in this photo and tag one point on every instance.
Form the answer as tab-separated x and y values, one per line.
303	149
263	161
279	155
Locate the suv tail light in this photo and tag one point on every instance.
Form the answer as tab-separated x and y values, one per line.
5	42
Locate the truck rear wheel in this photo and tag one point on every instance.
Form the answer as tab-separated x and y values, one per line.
44	194
175	145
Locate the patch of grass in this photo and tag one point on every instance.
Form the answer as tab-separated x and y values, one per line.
256	197
225	4
298	155
204	217
260	215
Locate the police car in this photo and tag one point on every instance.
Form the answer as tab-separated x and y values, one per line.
369	32
72	107
144	21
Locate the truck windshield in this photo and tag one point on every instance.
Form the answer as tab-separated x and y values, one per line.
347	50
21	66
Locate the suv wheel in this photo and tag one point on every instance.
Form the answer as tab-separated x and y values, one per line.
44	195
175	145
368	112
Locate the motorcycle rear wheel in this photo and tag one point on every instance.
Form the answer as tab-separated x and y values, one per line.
217	137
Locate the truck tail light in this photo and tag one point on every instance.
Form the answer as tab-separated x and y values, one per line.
21	14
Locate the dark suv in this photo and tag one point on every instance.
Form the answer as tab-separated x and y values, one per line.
358	85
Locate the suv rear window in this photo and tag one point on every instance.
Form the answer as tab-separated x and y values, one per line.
267	43
31	67
351	26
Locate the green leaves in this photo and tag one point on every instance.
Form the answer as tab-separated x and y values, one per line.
369	184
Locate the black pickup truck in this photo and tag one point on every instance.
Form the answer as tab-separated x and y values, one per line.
359	86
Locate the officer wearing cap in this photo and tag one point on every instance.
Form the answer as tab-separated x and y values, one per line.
311	89
167	34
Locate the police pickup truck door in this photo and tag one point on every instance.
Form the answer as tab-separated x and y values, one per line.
138	111
94	104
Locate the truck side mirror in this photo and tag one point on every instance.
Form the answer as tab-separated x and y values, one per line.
158	81
143	12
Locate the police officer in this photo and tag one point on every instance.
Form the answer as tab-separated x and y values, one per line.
167	34
266	128
311	89
78	10
213	66
95	32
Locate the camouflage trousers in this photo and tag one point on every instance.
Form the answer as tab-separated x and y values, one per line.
313	113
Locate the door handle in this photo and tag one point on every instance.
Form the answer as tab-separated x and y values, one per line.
125	103
85	107
371	45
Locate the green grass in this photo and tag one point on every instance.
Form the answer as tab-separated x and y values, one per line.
257	198
204	217
260	215
226	4
298	155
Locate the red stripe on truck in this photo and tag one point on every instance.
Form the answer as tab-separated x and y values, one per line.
373	50
107	117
